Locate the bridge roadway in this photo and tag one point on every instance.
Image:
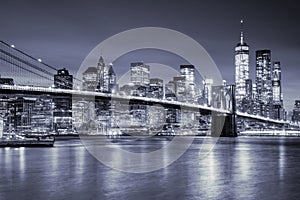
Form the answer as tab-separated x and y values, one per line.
45	90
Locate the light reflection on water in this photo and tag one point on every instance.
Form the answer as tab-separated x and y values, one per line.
236	168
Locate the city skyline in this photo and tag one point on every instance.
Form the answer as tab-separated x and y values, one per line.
64	43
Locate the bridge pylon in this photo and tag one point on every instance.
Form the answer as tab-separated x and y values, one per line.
222	124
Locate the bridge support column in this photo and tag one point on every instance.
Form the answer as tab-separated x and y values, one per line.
223	125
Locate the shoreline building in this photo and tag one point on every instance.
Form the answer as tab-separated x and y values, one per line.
6	81
62	113
241	70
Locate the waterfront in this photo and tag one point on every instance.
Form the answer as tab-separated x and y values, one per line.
237	168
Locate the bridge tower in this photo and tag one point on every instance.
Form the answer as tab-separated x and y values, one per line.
222	124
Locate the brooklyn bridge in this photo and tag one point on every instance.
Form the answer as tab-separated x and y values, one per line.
32	103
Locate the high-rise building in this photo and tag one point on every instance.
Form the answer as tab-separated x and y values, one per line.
90	79
264	83
241	69
207	91
188	72
170	88
101	68
296	112
63	79
140	74
110	79
30	114
156	89
277	91
180	88
62	113
106	77
247	101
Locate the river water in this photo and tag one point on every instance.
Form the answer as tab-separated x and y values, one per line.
236	168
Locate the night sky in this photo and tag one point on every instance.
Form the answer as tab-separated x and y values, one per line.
62	32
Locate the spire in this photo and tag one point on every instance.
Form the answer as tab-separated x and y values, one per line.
242	34
101	60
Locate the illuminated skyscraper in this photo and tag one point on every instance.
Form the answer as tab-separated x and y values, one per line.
277	92
241	69
90	79
100	74
296	111
180	88
188	72
140	74
62	114
110	79
264	83
207	91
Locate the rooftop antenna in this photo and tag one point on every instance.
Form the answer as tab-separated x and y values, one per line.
242	34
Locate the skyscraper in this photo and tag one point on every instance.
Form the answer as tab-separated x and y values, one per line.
277	92
241	69
62	114
140	73
156	89
207	91
188	72
63	79
110	79
170	91
90	79
296	111
100	74
264	83
180	88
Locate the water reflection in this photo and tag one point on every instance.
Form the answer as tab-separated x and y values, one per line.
281	160
243	168
22	162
